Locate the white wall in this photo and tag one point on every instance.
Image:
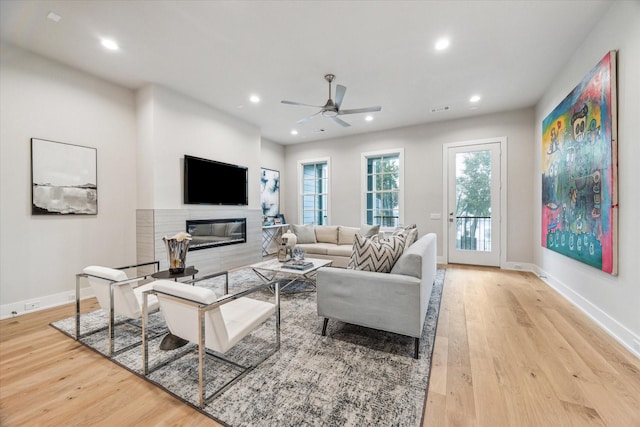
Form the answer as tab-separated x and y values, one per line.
174	125
272	157
423	172
40	255
612	301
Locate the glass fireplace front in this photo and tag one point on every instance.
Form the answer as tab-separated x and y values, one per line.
208	233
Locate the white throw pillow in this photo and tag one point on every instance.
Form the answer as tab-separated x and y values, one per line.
304	233
369	230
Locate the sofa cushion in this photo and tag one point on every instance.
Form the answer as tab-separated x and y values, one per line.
304	233
340	250
369	230
373	254
327	234
347	234
315	248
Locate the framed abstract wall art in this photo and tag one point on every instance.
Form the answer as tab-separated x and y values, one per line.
579	171
63	179
270	192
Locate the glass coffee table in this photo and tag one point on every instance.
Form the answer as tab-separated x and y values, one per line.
268	270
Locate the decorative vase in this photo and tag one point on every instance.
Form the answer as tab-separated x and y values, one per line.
177	247
291	239
284	253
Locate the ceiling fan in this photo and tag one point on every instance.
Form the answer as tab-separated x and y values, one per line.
332	109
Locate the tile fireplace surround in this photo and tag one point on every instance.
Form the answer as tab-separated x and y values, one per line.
153	224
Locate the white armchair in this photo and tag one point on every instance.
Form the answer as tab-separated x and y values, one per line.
199	316
116	295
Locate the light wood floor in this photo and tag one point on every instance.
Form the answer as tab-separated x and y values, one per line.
509	352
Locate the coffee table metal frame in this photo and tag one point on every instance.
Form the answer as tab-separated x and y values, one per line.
275	267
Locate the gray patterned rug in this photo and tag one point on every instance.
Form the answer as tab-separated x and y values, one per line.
354	376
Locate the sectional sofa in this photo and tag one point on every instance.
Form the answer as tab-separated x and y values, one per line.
334	242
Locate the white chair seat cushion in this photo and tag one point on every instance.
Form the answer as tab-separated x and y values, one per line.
224	326
243	315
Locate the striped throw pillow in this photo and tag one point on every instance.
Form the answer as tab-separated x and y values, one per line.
374	254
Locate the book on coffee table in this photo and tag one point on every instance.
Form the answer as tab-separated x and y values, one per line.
297	264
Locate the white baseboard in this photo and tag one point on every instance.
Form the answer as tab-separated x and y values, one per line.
520	266
610	325
19	308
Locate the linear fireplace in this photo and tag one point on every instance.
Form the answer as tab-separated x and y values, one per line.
208	233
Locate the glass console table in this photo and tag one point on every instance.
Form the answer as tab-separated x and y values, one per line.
271	235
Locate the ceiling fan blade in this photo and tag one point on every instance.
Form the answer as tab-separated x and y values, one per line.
340	122
340	91
306	119
361	110
301	104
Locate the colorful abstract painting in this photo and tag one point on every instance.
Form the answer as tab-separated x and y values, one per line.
579	171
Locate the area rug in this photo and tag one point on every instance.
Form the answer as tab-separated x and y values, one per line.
354	376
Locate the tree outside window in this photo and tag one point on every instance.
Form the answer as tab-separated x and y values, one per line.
383	190
473	200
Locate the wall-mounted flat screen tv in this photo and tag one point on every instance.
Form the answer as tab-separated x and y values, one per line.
207	182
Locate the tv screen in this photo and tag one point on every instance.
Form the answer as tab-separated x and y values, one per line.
207	182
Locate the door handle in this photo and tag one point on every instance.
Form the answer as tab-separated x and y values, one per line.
450	216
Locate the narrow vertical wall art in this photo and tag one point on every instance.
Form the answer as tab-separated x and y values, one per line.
270	192
579	171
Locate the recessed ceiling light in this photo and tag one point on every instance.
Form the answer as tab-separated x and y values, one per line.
254	98
474	98
54	17
109	44
442	44
368	118
294	132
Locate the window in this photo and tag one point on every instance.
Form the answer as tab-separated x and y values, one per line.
314	194
383	188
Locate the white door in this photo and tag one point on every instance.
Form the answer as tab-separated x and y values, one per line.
473	204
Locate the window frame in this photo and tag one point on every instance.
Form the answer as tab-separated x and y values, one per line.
301	194
364	188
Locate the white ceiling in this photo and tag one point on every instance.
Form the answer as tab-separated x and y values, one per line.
221	52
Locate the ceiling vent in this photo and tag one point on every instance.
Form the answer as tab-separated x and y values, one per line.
440	109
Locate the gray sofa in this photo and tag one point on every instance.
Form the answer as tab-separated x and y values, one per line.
394	302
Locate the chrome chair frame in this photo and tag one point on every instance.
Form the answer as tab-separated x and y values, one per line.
202	310
111	323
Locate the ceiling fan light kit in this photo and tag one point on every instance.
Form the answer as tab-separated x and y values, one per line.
331	109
